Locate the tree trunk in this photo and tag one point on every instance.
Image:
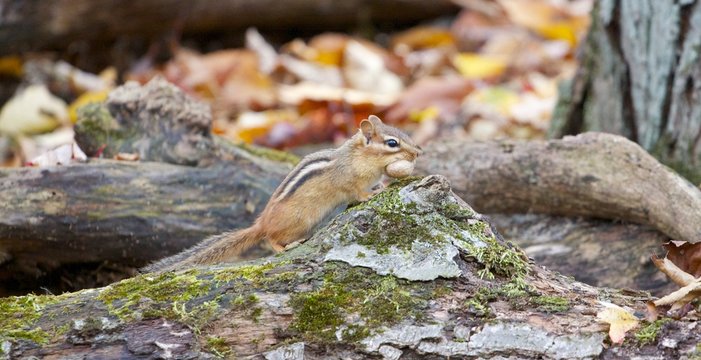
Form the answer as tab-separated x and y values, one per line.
640	77
413	272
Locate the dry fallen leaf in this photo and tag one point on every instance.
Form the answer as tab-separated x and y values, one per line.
477	66
547	18
422	37
11	66
682	296
127	156
444	93
691	287
267	56
296	94
686	256
32	110
619	319
61	155
364	69
677	275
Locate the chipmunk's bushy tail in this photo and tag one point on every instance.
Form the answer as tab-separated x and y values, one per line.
212	250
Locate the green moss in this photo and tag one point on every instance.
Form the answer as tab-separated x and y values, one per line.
246	303
218	346
496	258
479	302
394	223
515	292
147	296
256	312
96	127
243	301
478	307
648	333
318	314
348	292
258	274
18	317
270	154
442	288
551	304
455	211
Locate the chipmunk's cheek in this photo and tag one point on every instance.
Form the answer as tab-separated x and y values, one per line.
399	169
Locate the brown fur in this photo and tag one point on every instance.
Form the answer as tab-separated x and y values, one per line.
335	178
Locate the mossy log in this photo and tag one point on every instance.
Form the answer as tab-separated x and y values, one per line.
133	213
130	213
414	272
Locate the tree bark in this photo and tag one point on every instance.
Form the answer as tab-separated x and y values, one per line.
56	24
596	252
414	272
594	175
124	212
582	176
640	77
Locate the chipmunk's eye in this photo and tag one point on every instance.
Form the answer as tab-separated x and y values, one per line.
392	143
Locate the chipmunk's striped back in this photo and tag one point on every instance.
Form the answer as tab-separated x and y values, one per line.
319	184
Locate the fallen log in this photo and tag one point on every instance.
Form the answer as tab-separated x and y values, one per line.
593	174
54	25
413	272
596	252
133	213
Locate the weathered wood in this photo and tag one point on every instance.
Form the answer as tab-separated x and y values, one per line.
594	174
130	213
413	272
39	25
582	176
640	77
596	252
125	212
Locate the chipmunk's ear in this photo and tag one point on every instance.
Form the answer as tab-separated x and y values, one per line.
368	129
374	119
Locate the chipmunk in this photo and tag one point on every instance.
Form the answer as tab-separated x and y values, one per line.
319	184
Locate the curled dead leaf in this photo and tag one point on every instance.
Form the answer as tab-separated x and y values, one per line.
127	156
682	296
686	256
677	275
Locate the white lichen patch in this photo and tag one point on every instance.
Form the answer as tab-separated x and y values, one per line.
494	339
408	335
290	352
422	263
